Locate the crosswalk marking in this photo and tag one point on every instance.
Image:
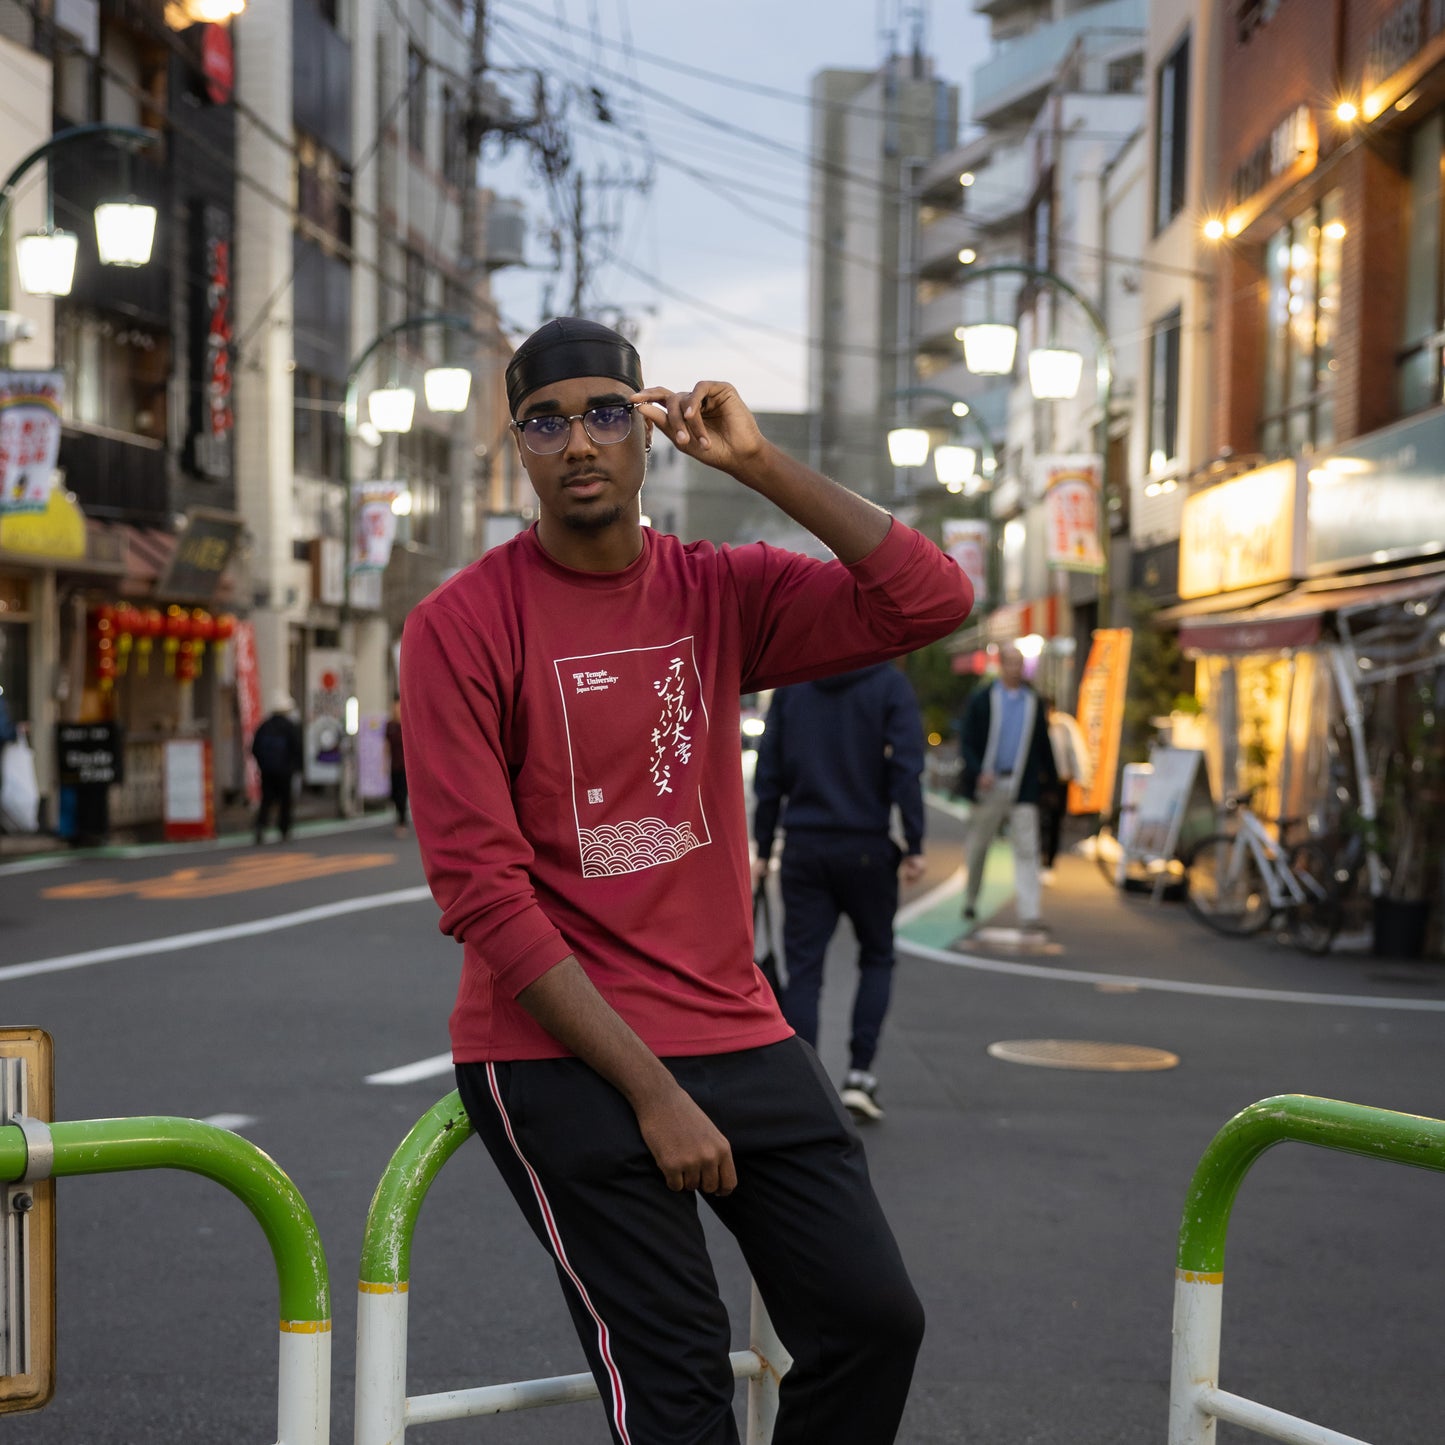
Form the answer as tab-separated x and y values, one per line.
179	942
234	1122
430	1068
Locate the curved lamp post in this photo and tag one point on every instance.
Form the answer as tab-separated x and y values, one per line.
909	446
1050	372
124	228
392	409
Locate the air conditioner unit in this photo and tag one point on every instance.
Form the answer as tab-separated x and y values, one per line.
506	233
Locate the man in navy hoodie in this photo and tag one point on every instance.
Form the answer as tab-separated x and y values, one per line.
835	757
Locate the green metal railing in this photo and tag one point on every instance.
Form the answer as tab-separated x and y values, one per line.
112	1146
1195	1400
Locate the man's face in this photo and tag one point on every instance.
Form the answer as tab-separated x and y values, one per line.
1011	666
586	486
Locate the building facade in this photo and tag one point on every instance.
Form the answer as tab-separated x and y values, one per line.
1312	567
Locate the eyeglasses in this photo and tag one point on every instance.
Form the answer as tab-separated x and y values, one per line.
606	425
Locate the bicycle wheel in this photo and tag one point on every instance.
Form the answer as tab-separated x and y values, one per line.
1312	924
1225	887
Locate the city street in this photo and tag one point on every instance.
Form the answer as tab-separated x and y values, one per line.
278	991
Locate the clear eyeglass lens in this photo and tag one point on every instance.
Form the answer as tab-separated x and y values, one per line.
606	425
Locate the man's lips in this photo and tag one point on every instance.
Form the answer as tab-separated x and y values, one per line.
585	484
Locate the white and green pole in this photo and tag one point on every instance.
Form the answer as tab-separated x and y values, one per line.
1195	1400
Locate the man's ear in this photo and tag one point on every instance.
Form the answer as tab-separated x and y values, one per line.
646	434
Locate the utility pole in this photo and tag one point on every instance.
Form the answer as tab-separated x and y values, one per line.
579	273
462	543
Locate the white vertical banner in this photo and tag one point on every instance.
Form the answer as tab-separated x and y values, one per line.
966	540
373	525
29	438
1071	487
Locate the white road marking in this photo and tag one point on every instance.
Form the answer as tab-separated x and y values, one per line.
936	895
1168	985
179	942
430	1068
234	1122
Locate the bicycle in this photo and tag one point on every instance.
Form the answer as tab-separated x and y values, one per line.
1237	882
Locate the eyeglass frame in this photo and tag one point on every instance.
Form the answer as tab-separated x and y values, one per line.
630	407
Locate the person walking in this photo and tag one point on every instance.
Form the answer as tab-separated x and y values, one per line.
1072	765
276	746
396	759
836	756
571	708
1007	761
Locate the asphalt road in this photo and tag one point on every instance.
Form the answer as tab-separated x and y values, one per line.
1037	1207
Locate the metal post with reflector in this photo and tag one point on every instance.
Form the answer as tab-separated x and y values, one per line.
27	1225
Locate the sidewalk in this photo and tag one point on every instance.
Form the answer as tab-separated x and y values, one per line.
1101	933
312	813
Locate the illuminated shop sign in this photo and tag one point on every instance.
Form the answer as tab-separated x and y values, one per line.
1242	533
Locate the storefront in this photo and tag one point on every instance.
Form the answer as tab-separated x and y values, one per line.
144	643
1242	544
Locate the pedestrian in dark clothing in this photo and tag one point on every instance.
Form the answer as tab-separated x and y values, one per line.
276	746
397	760
1007	762
836	756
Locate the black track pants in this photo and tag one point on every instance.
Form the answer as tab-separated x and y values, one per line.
634	1265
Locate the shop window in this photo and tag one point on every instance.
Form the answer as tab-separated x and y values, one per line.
1171	134
321	194
1164	393
1421	383
1302	268
116	372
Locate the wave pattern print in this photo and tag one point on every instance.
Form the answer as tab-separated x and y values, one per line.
630	847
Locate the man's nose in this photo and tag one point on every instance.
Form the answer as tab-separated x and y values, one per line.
578	442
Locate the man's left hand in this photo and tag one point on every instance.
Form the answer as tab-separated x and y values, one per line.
912	868
711	422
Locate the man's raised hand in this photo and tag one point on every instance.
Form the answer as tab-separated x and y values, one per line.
711	422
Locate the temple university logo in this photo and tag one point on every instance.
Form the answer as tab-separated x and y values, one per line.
636	724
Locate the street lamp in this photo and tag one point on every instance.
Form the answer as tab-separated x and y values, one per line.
908	446
954	466
392	408
988	347
1054	373
124	230
1051	374
448	388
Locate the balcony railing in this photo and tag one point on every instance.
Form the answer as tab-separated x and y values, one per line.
1028	63
115	474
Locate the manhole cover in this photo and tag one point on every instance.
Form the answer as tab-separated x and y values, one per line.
1082	1054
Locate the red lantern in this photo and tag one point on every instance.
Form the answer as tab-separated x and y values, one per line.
149	625
225	627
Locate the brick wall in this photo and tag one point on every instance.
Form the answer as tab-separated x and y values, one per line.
1312	52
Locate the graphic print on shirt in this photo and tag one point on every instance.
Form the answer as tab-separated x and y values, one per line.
636	727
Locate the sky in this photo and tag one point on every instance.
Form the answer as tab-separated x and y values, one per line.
710	258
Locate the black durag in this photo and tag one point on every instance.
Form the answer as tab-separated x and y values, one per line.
569	346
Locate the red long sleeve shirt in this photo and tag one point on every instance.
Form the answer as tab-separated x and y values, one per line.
573	753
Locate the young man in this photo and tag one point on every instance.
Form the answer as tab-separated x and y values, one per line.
571	709
836	757
1007	761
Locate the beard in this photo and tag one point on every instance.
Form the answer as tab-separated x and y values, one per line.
590	523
